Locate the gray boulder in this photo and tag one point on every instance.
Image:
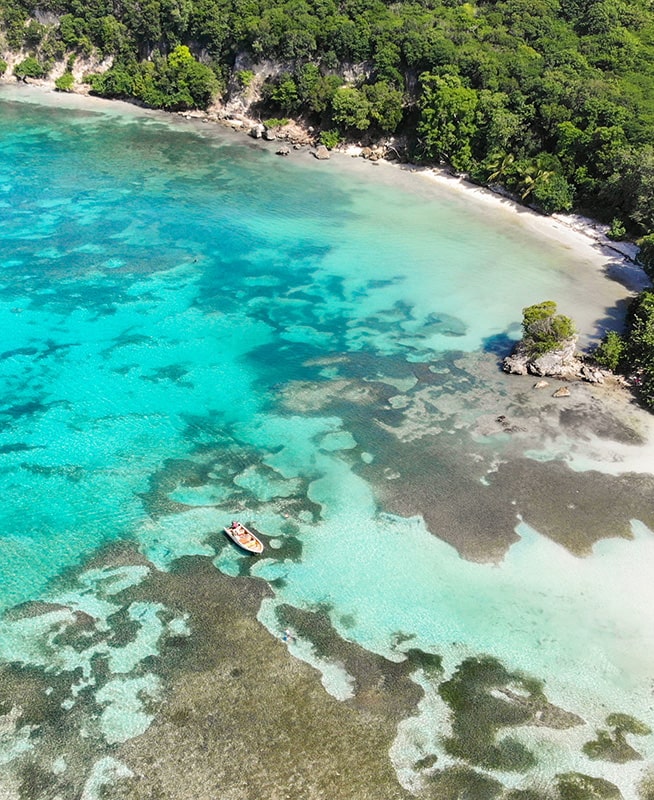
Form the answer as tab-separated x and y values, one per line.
556	363
560	363
321	152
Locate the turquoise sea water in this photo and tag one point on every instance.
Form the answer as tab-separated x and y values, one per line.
194	329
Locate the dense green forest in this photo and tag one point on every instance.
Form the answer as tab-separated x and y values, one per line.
552	100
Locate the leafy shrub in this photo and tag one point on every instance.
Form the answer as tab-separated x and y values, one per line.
351	108
330	139
315	90
65	82
545	330
275	122
617	230
244	77
3	67
176	82
610	352
385	105
30	68
645	255
34	33
553	194
284	94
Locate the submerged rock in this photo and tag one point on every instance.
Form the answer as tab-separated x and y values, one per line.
284	150
562	392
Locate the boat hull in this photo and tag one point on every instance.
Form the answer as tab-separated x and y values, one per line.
244	538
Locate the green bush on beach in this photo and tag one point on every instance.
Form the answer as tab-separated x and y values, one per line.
610	352
65	82
330	139
30	67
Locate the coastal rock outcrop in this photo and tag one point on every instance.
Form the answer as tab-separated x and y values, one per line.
321	152
564	363
559	363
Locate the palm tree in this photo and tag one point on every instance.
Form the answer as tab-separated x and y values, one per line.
531	179
500	167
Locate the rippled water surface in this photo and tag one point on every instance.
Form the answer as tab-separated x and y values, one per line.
195	330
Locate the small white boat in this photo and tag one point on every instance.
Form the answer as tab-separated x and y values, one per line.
244	538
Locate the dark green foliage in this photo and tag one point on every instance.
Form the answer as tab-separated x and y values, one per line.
646	255
633	354
3	67
640	345
315	90
385	105
543	329
284	94
448	119
330	139
552	193
617	230
30	68
640	320
176	82
351	109
65	82
610	352
34	33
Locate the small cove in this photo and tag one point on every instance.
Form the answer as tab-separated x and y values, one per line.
195	329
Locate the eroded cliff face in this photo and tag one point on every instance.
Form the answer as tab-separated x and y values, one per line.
82	66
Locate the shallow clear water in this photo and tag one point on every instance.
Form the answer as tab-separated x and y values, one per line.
194	329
